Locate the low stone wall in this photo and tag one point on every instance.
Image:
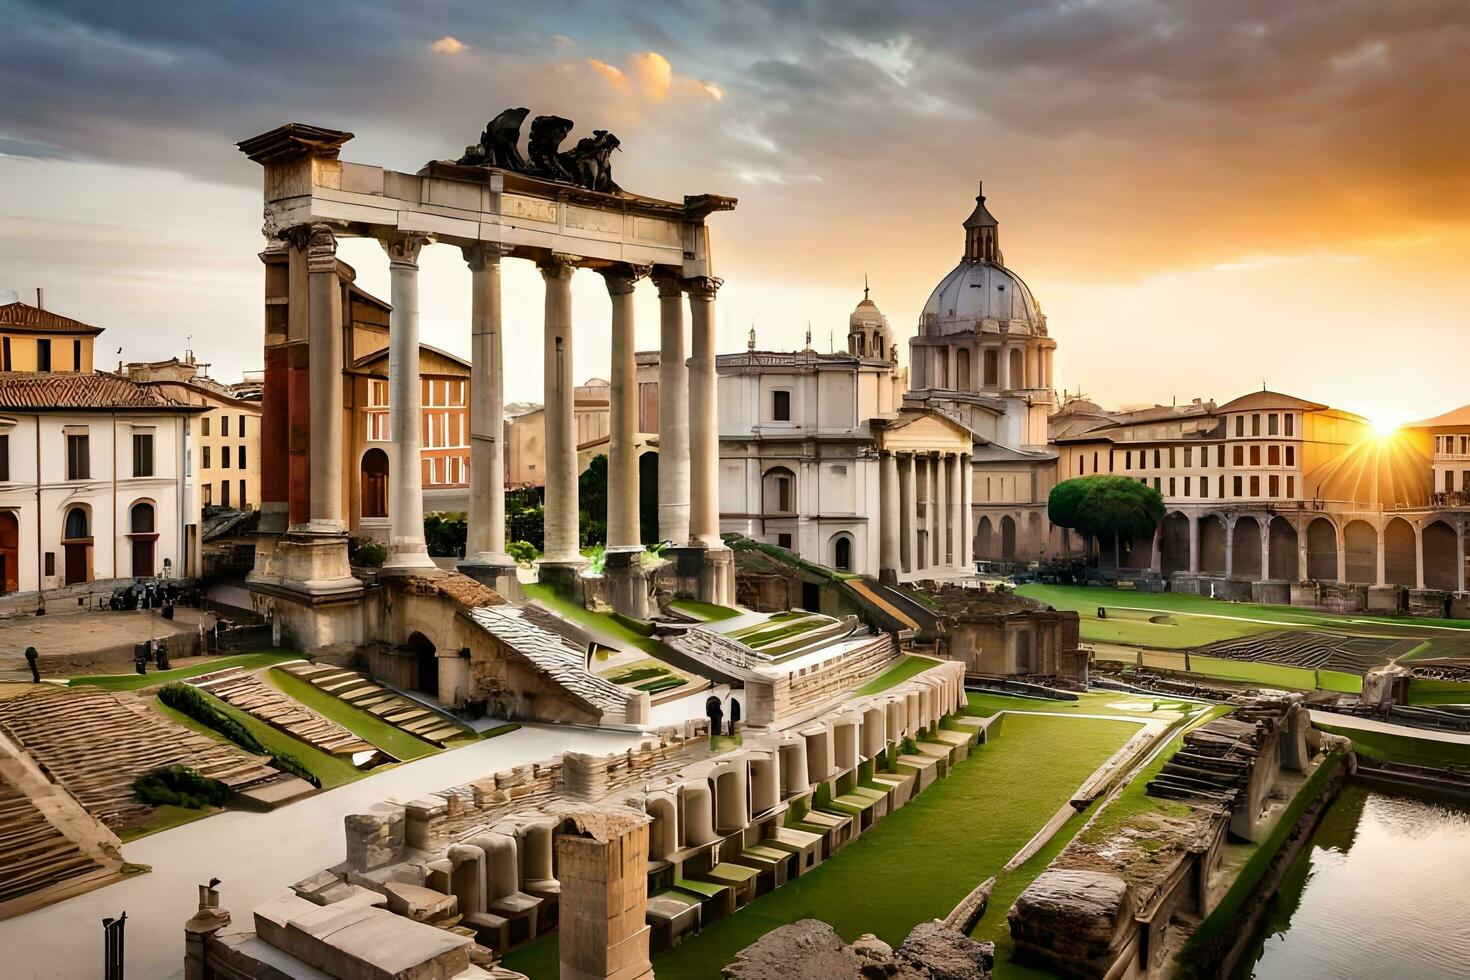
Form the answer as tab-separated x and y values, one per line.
795	694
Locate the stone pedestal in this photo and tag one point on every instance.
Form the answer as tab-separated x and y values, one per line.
1428	603
303	583
1272	593
1304	594
498	575
627	582
603	872
1385	598
564	576
705	574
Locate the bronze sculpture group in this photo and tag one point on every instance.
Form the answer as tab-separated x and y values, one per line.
588	164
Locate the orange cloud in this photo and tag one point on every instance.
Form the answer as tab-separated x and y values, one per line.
612	73
654	73
449	45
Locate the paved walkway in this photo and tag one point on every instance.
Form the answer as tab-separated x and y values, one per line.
255	856
89	642
1374	725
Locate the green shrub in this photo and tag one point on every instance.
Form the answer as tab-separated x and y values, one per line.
179	786
290	764
445	533
524	552
368	553
192	702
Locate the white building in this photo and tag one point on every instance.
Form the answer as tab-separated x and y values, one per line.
94	481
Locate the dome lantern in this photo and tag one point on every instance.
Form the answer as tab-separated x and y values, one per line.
982	233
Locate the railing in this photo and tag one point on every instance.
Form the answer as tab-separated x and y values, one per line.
1451	498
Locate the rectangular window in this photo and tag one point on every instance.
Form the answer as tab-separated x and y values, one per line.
224	425
243	502
1221	494
204	426
224	457
1271	424
1273	484
1128	460
378	394
5	457
1273	455
50	563
1159	484
224	493
1290	455
1291	486
208	495
1256	424
781	406
43	355
1255	455
78	457
1290	424
5	344
142	454
1449	480
1156	459
1239	483
1237	457
1171	486
242	458
1220	455
76	354
241	429
206	458
1255	486
378	426
1239	426
783	541
1171	457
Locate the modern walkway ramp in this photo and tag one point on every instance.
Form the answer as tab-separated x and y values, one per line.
245	690
889	603
372	697
95	743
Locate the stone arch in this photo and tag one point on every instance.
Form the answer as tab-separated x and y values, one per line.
1174	543
425	663
374	477
1008	537
1245	547
1212	544
962	369
1439	557
839	548
984	539
76	544
1360	549
1283	545
143	536
778	491
1399	564
1018	368
1322	550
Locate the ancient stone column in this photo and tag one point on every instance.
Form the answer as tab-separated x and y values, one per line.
1301	554
1156	562
704	437
941	510
1460	557
1381	576
275	459
1419	556
1229	549
956	520
485	540
563	539
932	516
602	864
406	548
888	549
1193	544
673	413
967	511
908	515
325	370
1265	551
622	455
1003	365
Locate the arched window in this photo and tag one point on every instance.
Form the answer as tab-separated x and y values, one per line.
77	525
1018	368
375	483
141	518
962	369
842	552
778	491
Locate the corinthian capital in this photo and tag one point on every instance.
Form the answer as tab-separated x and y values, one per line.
481	256
559	265
703	287
403	247
621	278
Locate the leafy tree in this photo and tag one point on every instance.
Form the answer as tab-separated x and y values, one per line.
525	518
592	502
445	533
1106	506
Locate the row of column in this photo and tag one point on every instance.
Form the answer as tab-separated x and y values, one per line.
688	492
944	536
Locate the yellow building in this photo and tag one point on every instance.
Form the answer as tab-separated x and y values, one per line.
34	339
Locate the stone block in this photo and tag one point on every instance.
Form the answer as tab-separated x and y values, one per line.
375	838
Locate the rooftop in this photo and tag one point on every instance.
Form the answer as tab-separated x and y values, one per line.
23	316
30	390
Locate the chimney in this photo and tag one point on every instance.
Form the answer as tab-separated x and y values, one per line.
40	298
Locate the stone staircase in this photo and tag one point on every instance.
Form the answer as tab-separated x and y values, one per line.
34	855
245	690
367	695
95	743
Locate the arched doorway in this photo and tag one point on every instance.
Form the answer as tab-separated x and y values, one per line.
1360	549
9	551
984	539
842	552
425	664
375	483
1399	566
1212	544
1321	550
1245	549
1284	551
76	545
1174	544
1007	537
1439	557
143	533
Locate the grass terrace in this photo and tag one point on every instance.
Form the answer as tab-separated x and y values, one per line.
156	678
365	725
911	665
1388	747
705	612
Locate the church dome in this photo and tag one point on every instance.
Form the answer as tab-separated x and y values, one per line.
981	294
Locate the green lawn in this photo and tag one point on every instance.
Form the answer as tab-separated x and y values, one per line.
136	682
1423	690
909	666
919	861
1276	675
365	725
598	623
331	770
1404	748
982	704
707	612
165	817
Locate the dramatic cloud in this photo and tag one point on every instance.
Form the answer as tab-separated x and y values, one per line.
449	44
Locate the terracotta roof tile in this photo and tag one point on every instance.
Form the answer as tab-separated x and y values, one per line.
29	390
22	316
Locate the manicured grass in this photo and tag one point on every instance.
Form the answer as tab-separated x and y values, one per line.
708	612
329	769
762	637
1428	691
598	623
919	861
983	704
1404	748
365	725
164	818
1276	675
662	684
505	729
136	682
910	666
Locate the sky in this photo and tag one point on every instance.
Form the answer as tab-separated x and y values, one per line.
1204	196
